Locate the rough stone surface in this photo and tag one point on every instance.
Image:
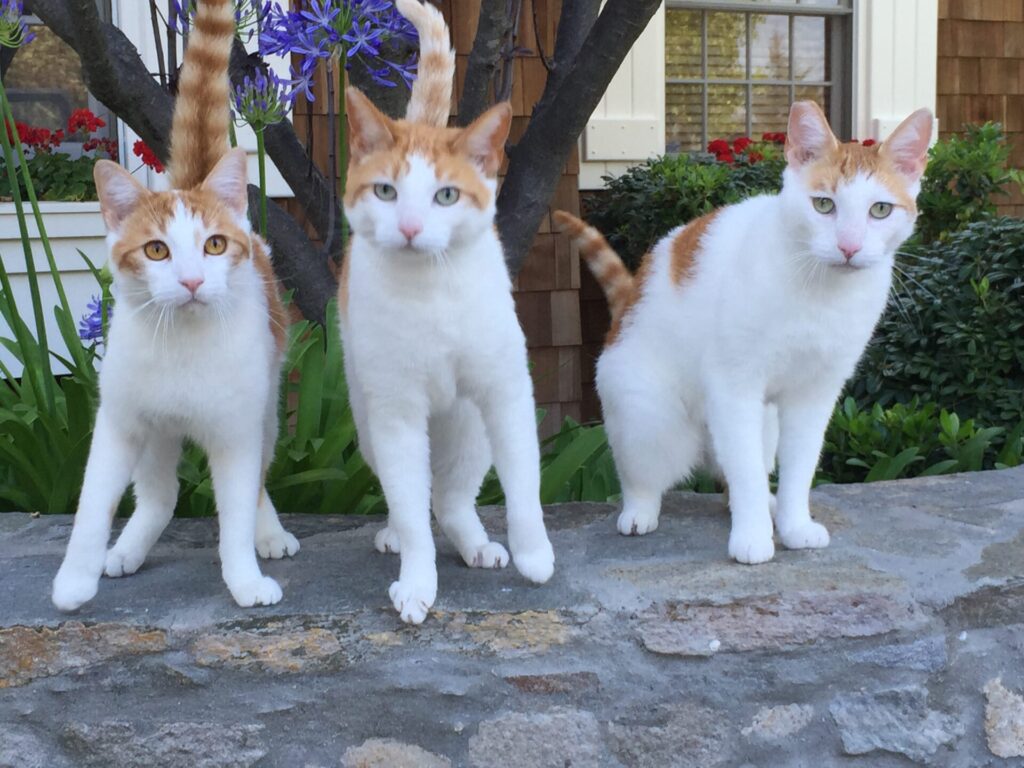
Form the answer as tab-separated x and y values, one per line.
877	652
388	753
897	721
1004	720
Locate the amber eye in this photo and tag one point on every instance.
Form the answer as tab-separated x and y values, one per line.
216	245
156	250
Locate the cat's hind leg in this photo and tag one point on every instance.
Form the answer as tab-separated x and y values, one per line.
156	492
459	458
654	444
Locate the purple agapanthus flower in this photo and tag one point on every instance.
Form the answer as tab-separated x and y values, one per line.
90	327
264	99
351	31
13	31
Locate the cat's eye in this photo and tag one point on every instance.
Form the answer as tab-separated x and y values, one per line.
823	204
385	192
446	196
156	250
216	245
880	210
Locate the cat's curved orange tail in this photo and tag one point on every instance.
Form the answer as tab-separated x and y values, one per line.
604	263
431	98
199	134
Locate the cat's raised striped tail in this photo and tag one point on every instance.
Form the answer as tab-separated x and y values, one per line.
431	98
604	263
199	134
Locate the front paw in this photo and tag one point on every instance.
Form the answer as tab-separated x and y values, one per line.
122	562
412	599
386	541
751	547
490	555
536	564
635	523
71	590
808	535
261	591
276	544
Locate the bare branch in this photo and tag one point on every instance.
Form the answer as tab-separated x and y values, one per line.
484	58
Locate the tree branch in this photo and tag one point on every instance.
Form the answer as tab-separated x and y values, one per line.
491	31
560	116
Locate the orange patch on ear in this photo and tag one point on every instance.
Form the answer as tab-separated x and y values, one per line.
484	139
685	247
370	130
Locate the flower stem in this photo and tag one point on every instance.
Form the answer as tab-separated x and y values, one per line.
261	155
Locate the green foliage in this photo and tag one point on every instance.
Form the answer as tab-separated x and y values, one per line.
911	440
954	333
650	199
964	172
56	176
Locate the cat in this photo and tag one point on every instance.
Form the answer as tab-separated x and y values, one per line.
195	347
731	344
434	357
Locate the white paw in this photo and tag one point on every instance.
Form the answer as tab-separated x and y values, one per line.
751	547
809	535
261	591
536	564
121	562
71	590
386	541
633	523
490	555
276	544
412	599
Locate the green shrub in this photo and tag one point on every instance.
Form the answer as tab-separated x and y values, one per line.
964	172
954	333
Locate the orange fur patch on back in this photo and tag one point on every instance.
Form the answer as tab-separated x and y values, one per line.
685	247
436	145
846	161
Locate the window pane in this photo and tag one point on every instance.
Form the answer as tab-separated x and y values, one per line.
682	44
820	94
769	46
727	111
809	48
44	81
769	109
727	45
684	116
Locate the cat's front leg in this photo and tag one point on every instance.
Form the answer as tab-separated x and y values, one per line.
235	469
509	416
401	448
803	418
736	422
112	457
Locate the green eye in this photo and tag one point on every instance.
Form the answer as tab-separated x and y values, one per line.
823	204
385	192
880	210
446	196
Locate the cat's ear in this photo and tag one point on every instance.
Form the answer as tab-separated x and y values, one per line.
808	137
229	181
907	146
369	129
484	139
118	192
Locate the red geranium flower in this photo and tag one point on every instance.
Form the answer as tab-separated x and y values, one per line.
755	157
148	156
869	142
84	119
725	157
718	146
774	138
741	144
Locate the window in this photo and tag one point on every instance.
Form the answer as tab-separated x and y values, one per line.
734	68
44	78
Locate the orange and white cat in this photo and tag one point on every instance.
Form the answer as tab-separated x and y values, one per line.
730	345
195	346
434	355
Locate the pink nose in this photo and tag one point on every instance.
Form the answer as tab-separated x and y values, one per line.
849	251
410	229
192	285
